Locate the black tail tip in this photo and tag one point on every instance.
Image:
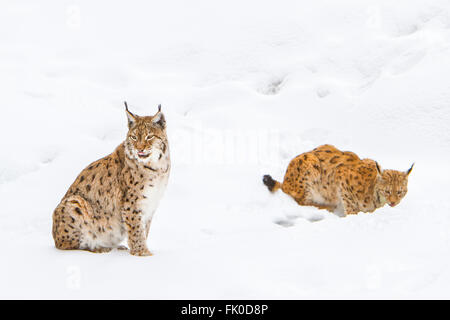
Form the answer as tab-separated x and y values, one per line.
269	182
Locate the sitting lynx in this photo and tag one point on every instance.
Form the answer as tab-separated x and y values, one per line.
115	197
340	181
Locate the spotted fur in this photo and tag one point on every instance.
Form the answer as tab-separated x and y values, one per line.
114	198
340	181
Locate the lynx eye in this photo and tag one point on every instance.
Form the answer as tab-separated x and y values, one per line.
133	138
388	192
149	137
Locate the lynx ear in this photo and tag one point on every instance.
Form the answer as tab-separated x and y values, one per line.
380	171
409	170
158	119
131	117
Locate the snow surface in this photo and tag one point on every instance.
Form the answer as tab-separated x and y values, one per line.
245	87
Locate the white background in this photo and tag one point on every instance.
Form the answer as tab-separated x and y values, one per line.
245	87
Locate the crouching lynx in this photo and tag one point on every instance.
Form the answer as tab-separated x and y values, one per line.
115	197
340	182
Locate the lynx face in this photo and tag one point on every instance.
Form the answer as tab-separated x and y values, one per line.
394	185
146	139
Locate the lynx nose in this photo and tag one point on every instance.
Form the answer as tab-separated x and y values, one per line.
393	203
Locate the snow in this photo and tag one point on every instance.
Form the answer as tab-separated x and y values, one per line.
245	87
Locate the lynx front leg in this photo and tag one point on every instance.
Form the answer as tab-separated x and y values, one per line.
136	233
147	227
349	208
348	204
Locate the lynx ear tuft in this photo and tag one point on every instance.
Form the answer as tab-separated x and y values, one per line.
131	117
409	170
159	119
380	171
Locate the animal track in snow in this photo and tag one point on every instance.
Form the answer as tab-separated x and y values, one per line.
406	61
289	219
322	92
284	222
273	87
406	30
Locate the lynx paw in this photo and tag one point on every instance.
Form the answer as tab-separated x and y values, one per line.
141	253
101	250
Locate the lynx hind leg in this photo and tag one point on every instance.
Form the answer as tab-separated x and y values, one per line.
301	176
66	228
68	221
330	208
307	199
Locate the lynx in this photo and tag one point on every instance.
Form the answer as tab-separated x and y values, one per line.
340	182
115	197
